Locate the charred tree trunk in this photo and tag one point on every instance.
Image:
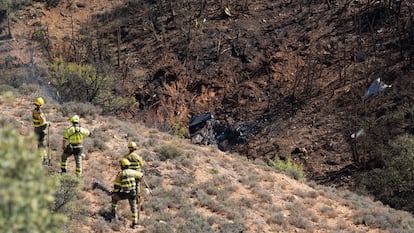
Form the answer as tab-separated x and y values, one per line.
8	24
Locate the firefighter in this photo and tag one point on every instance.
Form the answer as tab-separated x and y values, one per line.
40	127
74	136
137	164
136	161
125	188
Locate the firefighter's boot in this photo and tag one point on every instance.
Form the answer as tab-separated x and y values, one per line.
114	216
134	225
45	162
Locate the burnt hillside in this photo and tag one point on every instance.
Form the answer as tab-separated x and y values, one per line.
291	75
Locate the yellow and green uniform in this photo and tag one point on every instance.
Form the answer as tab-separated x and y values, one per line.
137	163
125	188
40	129
39	118
74	135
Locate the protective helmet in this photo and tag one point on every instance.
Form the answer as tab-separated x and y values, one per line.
74	119
39	101
132	145
125	163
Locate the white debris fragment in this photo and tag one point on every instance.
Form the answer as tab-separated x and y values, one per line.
375	87
358	134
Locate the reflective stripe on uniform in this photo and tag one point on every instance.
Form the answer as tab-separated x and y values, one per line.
38	118
63	165
74	134
125	180
136	161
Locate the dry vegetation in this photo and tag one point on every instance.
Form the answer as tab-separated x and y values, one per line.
292	71
197	189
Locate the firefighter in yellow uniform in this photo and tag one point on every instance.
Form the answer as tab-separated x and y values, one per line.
136	161
40	127
74	136
125	189
137	164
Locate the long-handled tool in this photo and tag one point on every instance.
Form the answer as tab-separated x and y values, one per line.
139	199
100	186
148	187
49	159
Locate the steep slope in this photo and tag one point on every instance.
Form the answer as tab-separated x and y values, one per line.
292	73
200	189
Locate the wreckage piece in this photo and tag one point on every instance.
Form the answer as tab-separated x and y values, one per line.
198	122
204	134
358	134
375	87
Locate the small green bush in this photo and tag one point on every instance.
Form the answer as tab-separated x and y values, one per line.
232	227
29	89
4	89
195	223
26	190
287	167
40	35
328	211
13	4
8	97
169	151
83	83
178	129
393	184
83	109
152	225
11	121
70	187
276	218
300	222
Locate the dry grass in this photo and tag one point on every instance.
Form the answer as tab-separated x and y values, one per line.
201	189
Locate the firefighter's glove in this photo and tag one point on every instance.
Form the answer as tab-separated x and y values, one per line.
92	133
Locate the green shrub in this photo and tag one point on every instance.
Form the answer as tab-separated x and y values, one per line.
83	83
11	121
4	89
25	188
232	227
152	225
68	109
65	196
13	4
328	211
276	218
301	222
28	89
178	129
393	184
8	97
98	145
119	103
40	35
79	82
169	151
195	223
287	167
